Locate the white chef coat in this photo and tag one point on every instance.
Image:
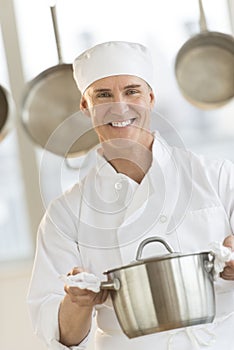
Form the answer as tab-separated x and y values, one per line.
98	224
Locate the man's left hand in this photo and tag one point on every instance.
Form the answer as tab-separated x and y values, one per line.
228	272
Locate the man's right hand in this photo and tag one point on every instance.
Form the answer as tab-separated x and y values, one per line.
84	297
75	313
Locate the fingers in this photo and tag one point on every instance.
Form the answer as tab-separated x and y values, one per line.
229	242
101	297
228	271
85	297
75	271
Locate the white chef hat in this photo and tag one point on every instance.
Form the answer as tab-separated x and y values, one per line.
112	58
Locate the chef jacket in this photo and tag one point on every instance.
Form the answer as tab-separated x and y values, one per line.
98	224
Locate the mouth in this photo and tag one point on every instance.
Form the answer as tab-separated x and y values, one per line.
122	123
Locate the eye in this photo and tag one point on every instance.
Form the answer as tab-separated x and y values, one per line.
103	94
132	92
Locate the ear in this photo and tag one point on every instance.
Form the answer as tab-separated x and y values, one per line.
84	106
152	99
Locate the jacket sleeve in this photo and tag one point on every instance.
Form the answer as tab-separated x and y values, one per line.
226	189
56	254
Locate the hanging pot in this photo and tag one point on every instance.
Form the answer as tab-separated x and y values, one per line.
50	109
204	67
164	292
7	109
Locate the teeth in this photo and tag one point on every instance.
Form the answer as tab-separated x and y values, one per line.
121	124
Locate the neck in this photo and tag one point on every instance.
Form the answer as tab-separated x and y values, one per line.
132	161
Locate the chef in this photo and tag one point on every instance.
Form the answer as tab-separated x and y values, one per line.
137	187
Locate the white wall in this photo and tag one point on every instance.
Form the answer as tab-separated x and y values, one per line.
16	331
15	326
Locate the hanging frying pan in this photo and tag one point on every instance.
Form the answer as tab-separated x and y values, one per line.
7	109
50	100
204	67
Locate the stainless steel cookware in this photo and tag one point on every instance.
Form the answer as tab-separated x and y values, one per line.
163	292
50	109
204	67
7	110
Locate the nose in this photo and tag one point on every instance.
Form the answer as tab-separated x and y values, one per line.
119	107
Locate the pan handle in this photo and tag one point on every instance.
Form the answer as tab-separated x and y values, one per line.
56	32
150	240
202	21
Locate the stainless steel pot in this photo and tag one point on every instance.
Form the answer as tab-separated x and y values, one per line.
204	67
164	292
7	110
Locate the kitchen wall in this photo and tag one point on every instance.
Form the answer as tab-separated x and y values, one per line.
15	327
16	330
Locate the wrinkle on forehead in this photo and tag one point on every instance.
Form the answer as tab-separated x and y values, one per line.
122	81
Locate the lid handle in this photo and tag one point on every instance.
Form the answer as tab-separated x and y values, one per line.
150	240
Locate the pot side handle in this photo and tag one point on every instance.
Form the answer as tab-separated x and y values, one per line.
209	264
111	285
150	240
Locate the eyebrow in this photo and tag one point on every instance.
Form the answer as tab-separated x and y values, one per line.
133	86
101	90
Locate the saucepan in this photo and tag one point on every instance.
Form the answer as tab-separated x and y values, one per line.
204	67
7	109
50	109
163	292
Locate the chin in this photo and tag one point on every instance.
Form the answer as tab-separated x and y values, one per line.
126	144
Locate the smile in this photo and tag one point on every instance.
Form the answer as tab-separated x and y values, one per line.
122	124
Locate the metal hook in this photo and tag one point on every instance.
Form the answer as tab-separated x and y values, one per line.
56	32
202	21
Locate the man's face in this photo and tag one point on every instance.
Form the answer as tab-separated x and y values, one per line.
120	108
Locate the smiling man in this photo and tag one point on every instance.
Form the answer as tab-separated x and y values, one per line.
123	100
139	187
120	98
120	109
